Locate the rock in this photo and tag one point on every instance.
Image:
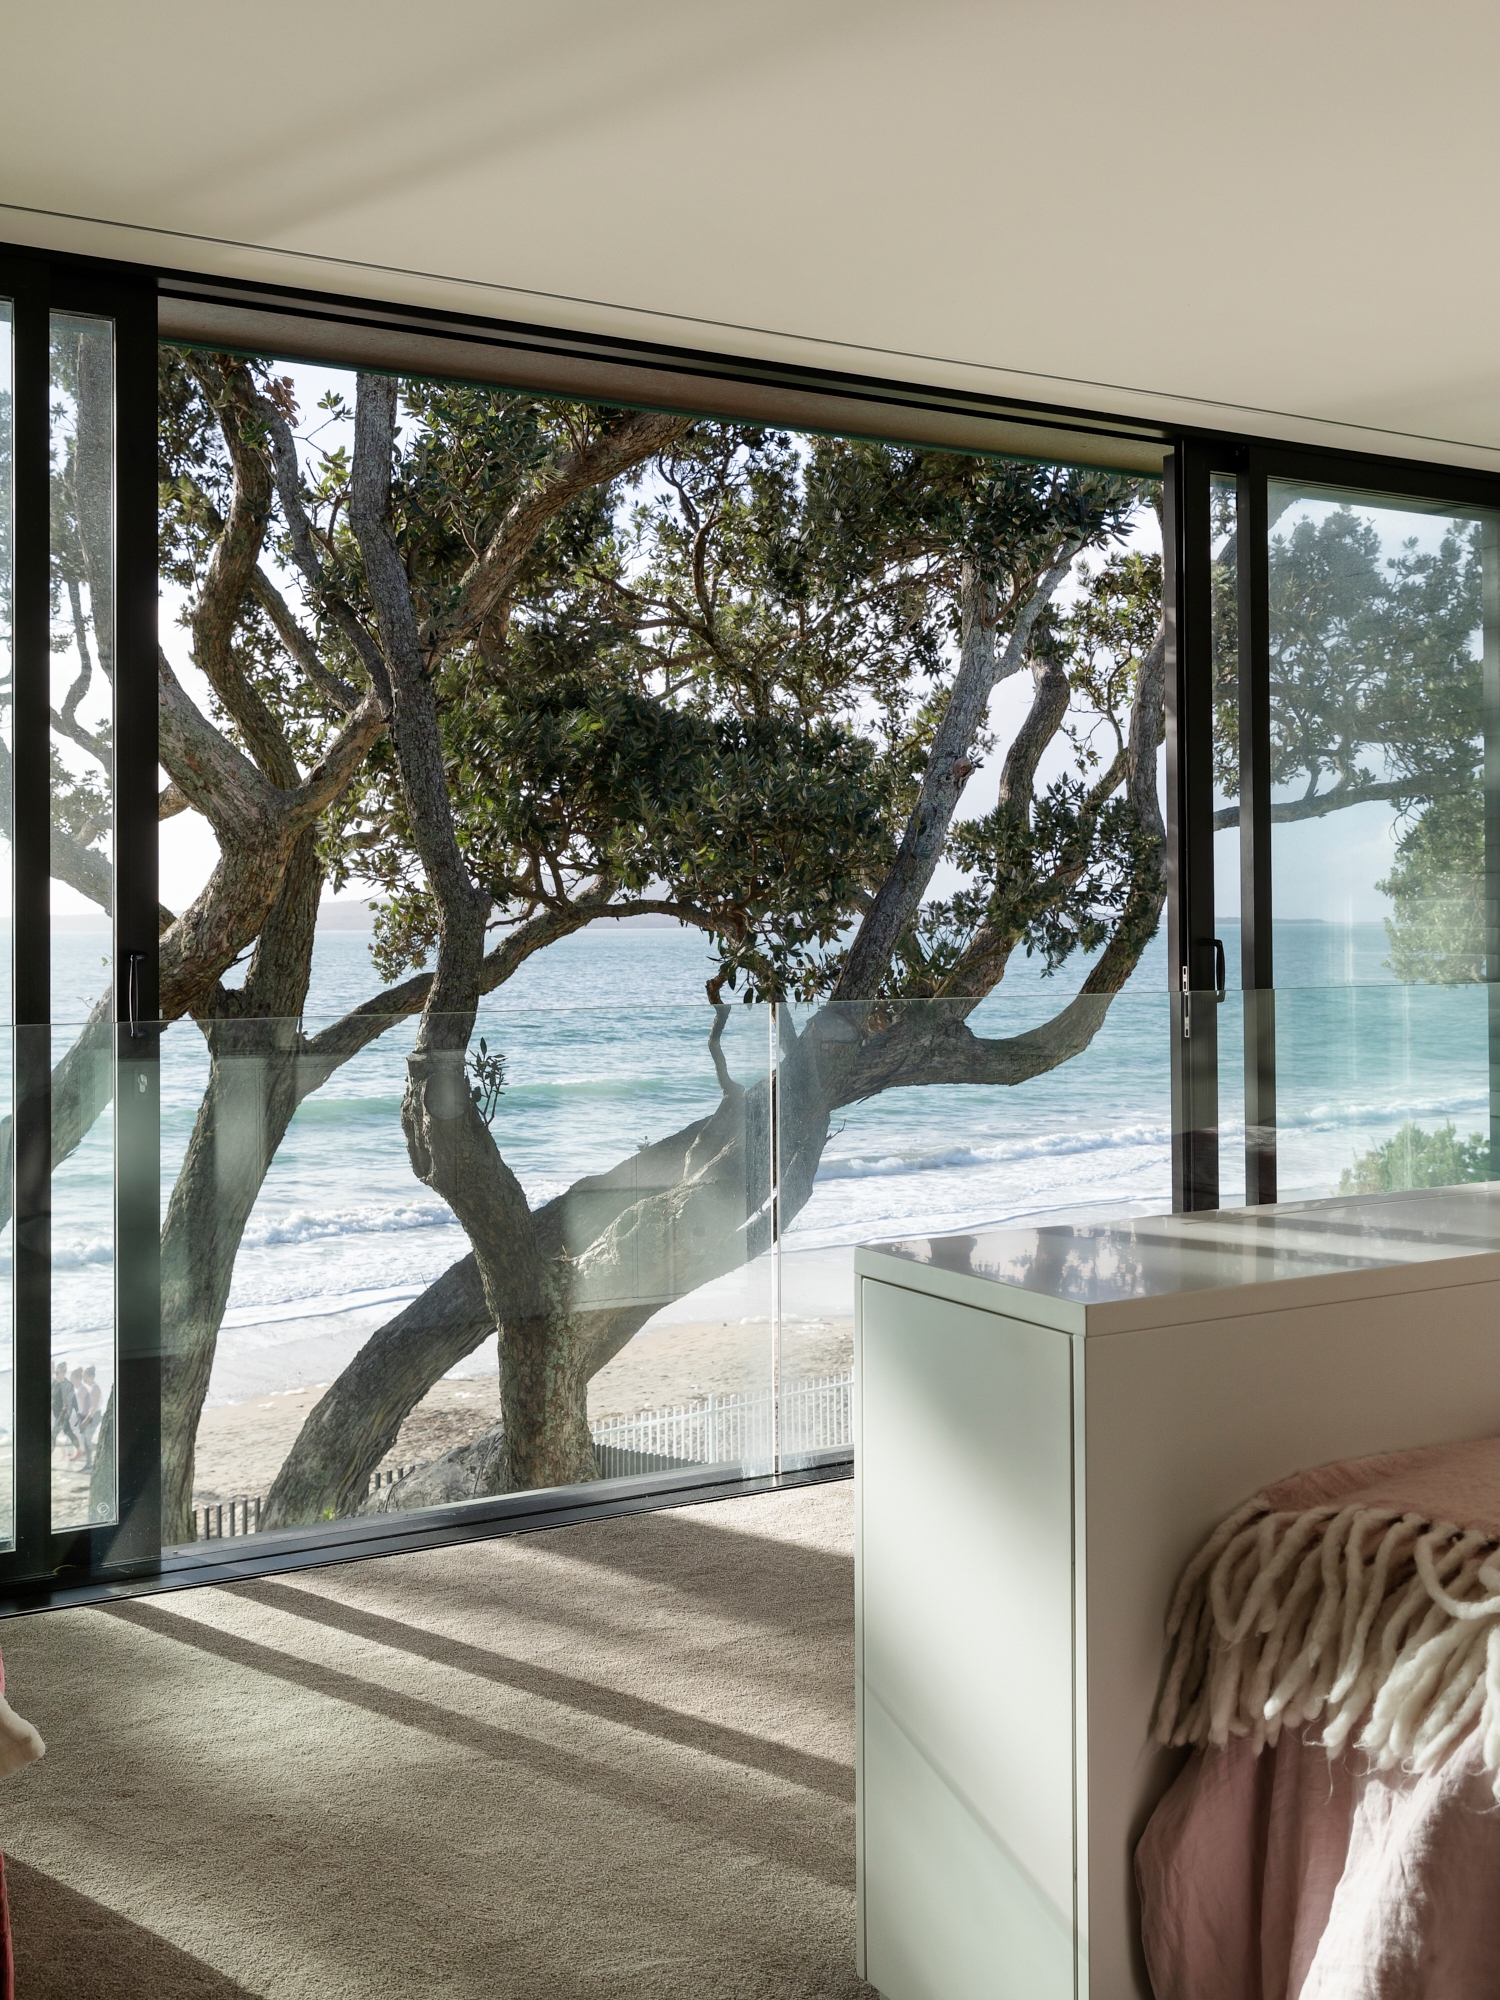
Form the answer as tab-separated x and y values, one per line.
469	1472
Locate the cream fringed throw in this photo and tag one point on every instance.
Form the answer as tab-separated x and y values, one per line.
1364	1596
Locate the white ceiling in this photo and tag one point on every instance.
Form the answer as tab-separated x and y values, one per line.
1279	216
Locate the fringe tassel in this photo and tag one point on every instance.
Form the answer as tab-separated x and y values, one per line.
1361	1618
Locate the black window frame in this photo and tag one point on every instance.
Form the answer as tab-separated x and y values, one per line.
1193	961
151	304
125	295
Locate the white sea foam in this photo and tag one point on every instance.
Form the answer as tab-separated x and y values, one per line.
1043	1146
1387	1110
79	1253
320	1225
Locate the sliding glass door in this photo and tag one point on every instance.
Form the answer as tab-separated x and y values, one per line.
77	1321
1332	748
1353	673
1381	713
81	715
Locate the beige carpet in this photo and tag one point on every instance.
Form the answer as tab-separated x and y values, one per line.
612	1760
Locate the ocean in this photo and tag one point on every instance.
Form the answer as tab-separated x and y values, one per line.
605	1041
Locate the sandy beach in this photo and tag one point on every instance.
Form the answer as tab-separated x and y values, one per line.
242	1445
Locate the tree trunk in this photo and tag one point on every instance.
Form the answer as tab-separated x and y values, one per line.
251	1095
326	1475
254	1087
615	1248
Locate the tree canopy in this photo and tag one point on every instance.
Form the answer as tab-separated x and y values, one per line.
1375	698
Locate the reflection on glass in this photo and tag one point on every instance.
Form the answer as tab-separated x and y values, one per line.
627	1264
1377	734
876	1145
329	1347
1226	809
7	1009
1382	1087
1383	1090
1378	638
1226	667
332	1351
82	790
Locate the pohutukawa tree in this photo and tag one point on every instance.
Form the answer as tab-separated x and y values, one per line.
521	663
1376	699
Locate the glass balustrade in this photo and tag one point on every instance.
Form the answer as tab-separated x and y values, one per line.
658	1204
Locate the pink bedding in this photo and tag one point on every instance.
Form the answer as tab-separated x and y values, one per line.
7	1955
1288	1876
1284	1873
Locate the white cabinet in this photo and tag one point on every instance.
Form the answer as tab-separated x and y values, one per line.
1049	1421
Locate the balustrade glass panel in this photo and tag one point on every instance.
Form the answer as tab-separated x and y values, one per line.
1383	654
1225	579
329	1338
930	1118
705	688
82	948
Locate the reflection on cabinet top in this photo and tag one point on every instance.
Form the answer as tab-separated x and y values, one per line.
1160	1270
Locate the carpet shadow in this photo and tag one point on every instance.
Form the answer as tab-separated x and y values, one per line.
754	1579
68	1946
678	1797
734	1746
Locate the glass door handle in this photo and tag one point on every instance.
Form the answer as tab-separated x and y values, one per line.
1220	986
134	960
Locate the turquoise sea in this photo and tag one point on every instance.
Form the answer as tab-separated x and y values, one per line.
605	1044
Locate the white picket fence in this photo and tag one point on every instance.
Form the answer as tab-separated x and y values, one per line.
713	1430
735	1429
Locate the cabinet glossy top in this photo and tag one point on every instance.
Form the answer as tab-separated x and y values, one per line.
1162	1256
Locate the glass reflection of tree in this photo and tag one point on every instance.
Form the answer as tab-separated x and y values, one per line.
82	587
81	753
1375	698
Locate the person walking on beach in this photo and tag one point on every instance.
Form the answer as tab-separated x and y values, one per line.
64	1403
90	1415
77	1414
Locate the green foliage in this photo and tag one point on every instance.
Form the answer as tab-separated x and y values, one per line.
1375	694
1052	871
1418	1159
82	804
81	604
1372	670
1373	674
713	688
764	829
1101	642
710	685
194	483
1437	888
192	472
487	1068
1224	612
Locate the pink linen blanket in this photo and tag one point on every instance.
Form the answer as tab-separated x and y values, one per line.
1334	1660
